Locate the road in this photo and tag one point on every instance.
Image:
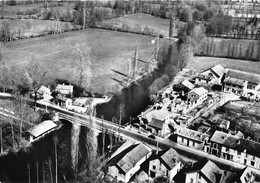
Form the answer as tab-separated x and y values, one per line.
97	123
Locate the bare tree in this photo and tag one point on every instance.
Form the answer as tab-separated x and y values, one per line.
37	171
50	170
84	64
3	3
29	172
36	75
55	141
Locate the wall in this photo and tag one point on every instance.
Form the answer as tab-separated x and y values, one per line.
230	48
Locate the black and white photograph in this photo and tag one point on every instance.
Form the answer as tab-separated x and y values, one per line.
130	91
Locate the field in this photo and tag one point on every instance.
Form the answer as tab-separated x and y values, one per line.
32	26
110	50
202	63
143	20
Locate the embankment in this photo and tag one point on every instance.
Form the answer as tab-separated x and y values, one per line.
230	48
135	98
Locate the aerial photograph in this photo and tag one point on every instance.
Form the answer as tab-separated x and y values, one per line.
130	91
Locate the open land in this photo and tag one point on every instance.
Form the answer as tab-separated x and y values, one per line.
143	20
110	50
201	63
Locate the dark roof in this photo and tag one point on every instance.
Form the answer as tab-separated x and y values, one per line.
170	158
156	123
208	170
237	143
204	77
128	158
235	81
252	78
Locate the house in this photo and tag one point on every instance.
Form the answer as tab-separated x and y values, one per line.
165	163
184	86
191	138
246	175
63	101
235	148
197	96
157	126
215	73
207	172
45	93
126	162
242	83
201	79
80	105
65	89
40	130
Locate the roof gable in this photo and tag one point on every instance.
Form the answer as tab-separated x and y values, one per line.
245	76
199	91
170	158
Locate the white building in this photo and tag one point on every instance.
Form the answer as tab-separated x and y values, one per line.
65	89
165	163
45	93
197	96
215	73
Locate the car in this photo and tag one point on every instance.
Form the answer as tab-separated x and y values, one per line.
152	136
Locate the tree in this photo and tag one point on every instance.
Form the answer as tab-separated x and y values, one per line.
84	64
208	15
36	75
2	11
56	141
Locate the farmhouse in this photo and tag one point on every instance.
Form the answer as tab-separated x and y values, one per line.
164	163
197	96
242	83
127	162
235	148
215	73
41	130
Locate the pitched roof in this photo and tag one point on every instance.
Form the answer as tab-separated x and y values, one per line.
209	171
156	123
192	134
80	102
170	158
64	87
199	91
43	89
42	128
252	78
235	81
237	143
219	70
131	158
187	84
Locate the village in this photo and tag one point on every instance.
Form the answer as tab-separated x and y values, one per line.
184	113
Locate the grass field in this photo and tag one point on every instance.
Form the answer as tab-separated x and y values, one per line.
109	50
158	24
202	63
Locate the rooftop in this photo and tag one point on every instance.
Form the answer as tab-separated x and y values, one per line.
43	89
199	136
218	70
235	81
170	158
245	76
156	123
64	87
237	143
188	84
42	128
208	170
199	91
128	157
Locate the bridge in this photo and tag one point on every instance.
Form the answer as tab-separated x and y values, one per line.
98	125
